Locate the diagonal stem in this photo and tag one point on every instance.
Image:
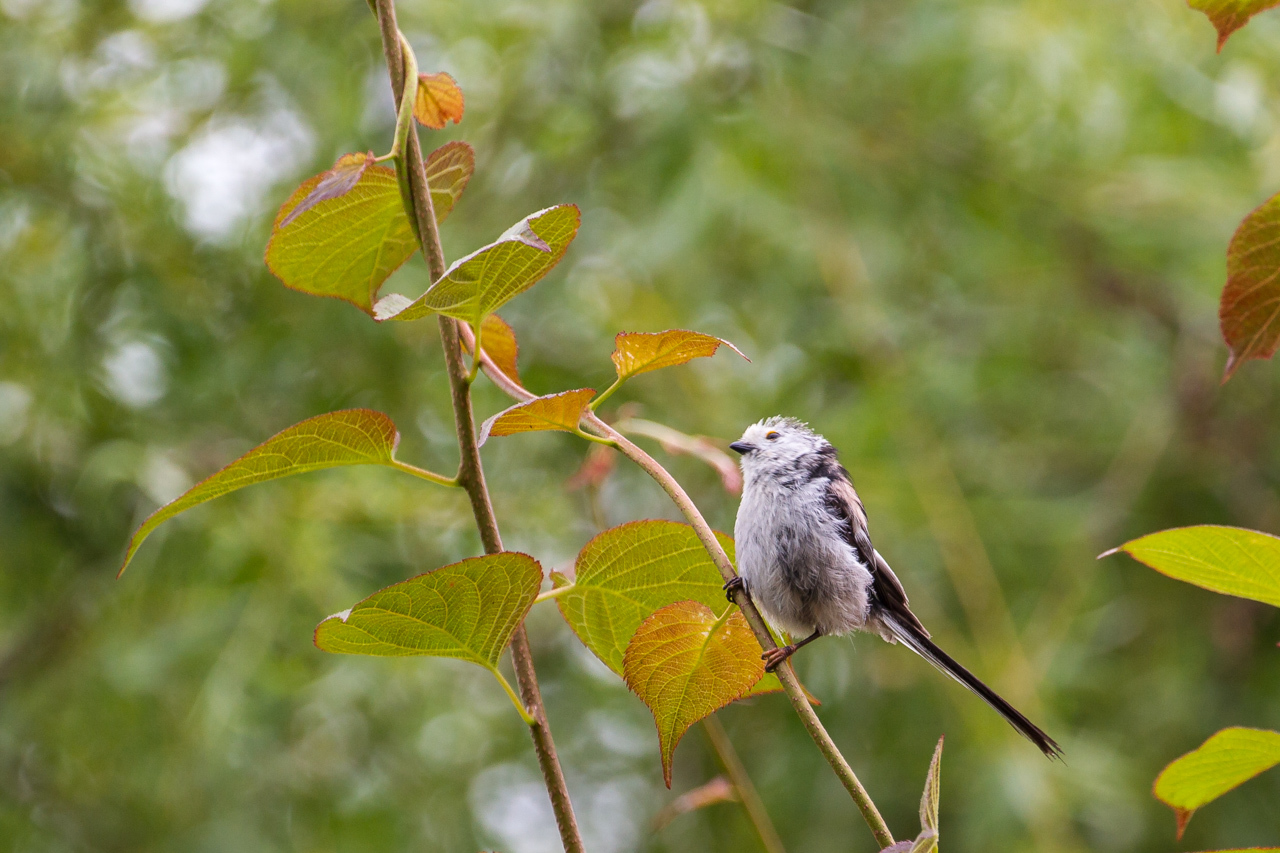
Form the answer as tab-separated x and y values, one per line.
751	802
470	471
790	685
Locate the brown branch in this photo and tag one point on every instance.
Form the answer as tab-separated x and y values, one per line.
470	470
790	685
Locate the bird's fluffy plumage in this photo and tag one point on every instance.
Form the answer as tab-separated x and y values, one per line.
804	550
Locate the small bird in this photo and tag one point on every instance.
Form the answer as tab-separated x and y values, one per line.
805	557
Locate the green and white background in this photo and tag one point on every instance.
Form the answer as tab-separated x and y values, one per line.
979	245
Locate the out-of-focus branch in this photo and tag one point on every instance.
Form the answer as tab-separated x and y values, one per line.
742	783
470	471
790	685
674	441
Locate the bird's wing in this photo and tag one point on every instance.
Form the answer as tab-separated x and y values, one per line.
843	502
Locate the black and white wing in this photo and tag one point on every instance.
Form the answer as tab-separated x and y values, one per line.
843	502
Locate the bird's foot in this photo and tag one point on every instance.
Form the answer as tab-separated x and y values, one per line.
773	658
732	586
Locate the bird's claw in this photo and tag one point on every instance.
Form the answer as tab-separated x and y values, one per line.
733	585
774	658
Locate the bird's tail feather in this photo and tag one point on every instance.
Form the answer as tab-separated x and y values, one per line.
915	640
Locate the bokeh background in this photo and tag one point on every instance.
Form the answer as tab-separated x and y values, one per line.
978	244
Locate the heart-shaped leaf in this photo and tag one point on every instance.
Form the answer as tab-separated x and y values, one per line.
627	572
349	437
482	282
1229	560
498	340
1230	15
346	246
466	610
1249	310
553	412
639	352
685	663
1227	759
439	100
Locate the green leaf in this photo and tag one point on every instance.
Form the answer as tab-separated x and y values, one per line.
1229	560
626	573
466	610
350	437
932	790
553	412
1250	306
346	246
485	280
639	352
1227	759
685	664
498	340
1230	15
926	842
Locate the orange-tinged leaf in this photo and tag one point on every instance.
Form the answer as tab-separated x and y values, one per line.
1227	759
553	412
640	352
1249	312
482	282
349	437
346	246
334	183
448	169
1230	15
626	573
685	664
466	610
498	340
439	100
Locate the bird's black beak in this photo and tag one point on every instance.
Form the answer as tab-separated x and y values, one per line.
742	447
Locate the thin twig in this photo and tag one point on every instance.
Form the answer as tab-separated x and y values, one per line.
751	802
791	686
470	471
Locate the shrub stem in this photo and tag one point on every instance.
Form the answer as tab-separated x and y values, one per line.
470	471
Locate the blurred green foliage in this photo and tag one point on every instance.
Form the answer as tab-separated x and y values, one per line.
976	243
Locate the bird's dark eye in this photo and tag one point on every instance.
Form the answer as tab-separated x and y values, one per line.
773	436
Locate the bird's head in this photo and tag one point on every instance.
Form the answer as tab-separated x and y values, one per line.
775	446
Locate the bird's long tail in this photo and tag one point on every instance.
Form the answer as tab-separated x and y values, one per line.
914	639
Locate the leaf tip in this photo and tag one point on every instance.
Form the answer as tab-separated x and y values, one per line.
735	349
1183	817
1108	553
1233	364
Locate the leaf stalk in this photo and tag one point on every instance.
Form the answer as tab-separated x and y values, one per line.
429	476
553	593
606	394
515	700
